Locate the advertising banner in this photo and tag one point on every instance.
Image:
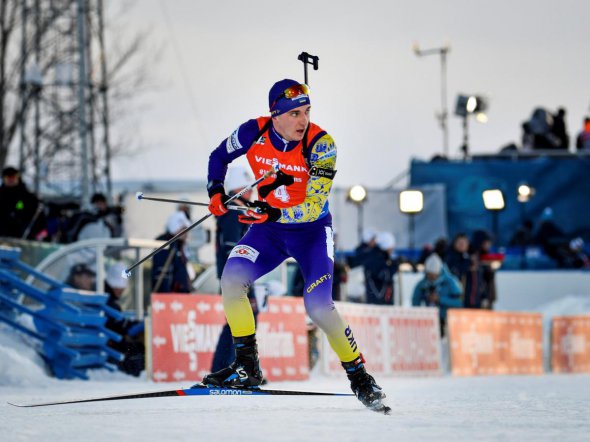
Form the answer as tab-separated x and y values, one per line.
484	342
186	328
393	340
570	344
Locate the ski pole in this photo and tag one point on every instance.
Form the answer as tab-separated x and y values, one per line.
140	196
127	272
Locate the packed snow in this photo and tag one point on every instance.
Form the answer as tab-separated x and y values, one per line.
491	408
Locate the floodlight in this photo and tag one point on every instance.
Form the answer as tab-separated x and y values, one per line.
493	199
357	194
470	104
411	201
525	193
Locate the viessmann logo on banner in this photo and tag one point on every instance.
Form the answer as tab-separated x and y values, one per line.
485	342
186	328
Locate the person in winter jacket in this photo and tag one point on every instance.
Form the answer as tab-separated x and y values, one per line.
439	288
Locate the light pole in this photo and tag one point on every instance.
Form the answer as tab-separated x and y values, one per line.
411	202
444	114
358	195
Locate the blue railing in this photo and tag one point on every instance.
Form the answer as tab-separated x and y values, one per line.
67	327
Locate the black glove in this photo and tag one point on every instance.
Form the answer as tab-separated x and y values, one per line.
261	212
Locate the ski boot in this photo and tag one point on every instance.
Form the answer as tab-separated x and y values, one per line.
244	371
364	387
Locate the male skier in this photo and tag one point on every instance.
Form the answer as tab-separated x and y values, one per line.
290	219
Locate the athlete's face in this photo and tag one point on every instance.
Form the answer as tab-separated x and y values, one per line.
292	124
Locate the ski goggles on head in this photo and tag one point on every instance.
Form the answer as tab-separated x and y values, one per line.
292	93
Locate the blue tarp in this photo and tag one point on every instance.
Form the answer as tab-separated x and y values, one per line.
562	183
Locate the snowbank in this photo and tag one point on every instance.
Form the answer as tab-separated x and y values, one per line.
19	363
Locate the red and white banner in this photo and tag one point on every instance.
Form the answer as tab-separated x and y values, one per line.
487	342
570	344
186	328
393	340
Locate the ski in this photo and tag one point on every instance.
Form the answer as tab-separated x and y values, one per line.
195	390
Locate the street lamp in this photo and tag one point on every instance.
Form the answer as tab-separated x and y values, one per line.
468	105
357	195
443	117
411	202
493	200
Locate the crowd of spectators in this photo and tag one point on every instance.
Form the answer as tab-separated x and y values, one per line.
459	275
566	251
545	130
24	216
456	275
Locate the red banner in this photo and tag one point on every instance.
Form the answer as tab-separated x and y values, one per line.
186	328
393	340
570	344
486	342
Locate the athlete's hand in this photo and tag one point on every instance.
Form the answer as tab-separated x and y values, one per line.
262	213
217	204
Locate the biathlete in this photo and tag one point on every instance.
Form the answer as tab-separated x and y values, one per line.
290	219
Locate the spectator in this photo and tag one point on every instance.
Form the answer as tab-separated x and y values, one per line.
523	238
583	139
485	284
82	277
559	130
552	238
131	331
439	288
425	252
229	232
57	220
476	291
457	259
541	125
364	249
440	247
99	222
340	272
186	208
524	235
21	213
527	137
169	266
379	270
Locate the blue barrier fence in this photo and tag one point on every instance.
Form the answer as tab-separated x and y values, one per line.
67	327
